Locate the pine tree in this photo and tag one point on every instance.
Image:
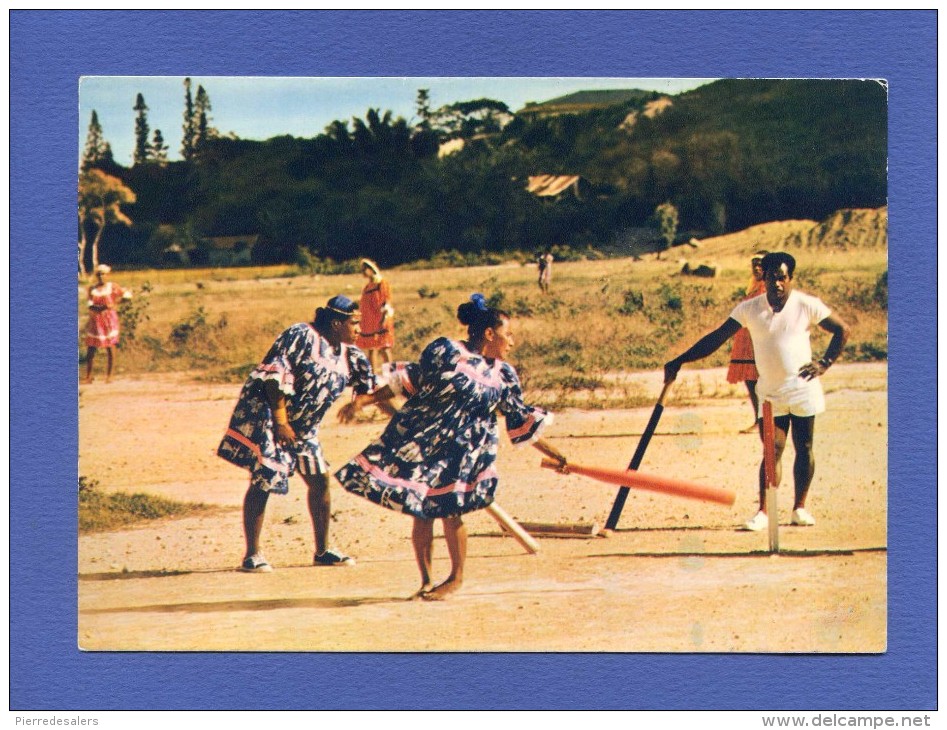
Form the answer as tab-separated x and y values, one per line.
190	132
159	150
423	104
97	150
203	130
142	151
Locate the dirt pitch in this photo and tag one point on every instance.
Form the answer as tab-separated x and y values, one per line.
677	576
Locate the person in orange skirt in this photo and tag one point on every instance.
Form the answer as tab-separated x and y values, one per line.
377	335
742	360
102	328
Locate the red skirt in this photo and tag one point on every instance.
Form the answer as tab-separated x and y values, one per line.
375	335
102	330
742	360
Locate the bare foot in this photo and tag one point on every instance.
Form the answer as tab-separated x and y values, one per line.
421	592
751	429
443	591
86	381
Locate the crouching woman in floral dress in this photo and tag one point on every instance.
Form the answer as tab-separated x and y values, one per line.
437	457
274	429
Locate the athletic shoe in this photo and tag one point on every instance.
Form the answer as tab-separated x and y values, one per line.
802	518
256	564
331	557
759	522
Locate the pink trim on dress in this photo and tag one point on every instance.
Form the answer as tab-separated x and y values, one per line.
241	439
525	428
419	488
490	380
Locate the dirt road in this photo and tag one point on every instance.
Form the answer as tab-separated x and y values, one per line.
677	576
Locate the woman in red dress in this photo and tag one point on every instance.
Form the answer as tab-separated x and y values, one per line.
378	323
102	329
742	360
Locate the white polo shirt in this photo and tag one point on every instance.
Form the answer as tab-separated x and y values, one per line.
781	345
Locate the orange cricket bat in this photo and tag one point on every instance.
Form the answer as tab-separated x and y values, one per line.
629	478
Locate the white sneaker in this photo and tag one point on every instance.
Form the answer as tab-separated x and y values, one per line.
759	522
256	564
802	518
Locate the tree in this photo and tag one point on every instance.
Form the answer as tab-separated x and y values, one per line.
159	150
423	105
202	129
189	137
142	151
97	151
100	199
425	142
667	217
468	118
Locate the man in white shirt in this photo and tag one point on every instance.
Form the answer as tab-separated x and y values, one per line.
779	322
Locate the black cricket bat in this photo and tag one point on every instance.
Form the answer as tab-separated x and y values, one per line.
622	495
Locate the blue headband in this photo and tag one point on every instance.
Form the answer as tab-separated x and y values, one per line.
341	305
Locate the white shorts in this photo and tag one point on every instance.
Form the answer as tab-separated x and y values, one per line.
806	399
310	465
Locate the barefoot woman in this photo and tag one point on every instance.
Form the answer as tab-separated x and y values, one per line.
436	459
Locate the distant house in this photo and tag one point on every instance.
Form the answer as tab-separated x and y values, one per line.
232	243
450	147
583	101
651	110
553	186
230	250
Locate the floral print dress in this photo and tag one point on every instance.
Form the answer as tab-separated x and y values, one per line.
437	456
312	375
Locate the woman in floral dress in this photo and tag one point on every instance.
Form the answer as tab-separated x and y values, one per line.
274	429
742	359
436	459
102	329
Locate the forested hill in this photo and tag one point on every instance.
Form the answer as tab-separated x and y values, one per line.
727	155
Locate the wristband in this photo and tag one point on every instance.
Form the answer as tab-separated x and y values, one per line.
825	363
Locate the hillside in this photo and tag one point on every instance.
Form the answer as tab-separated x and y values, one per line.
583	101
844	229
847	229
729	155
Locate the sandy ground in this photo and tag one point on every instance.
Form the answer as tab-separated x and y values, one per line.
677	576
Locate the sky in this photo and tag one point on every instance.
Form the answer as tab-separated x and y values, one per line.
259	108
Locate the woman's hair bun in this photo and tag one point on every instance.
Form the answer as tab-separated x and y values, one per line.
469	312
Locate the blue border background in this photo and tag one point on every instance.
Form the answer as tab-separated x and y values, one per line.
51	50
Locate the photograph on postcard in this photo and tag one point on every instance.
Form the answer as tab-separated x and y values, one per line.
482	364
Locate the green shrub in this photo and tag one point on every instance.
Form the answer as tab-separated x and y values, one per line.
881	290
670	298
633	302
134	311
425	292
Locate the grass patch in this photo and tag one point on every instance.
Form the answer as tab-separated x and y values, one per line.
601	319
99	512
